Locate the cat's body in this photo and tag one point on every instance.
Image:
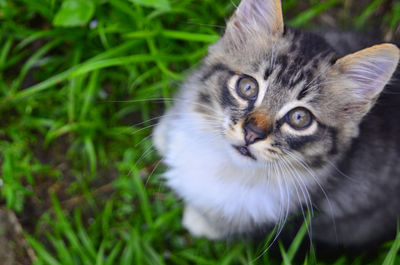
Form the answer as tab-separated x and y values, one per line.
364	191
268	126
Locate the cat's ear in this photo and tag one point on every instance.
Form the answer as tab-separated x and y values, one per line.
254	18
359	78
368	70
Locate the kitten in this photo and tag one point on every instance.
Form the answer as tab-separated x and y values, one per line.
274	122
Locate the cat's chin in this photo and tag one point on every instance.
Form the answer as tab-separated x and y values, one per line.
242	156
244	151
245	156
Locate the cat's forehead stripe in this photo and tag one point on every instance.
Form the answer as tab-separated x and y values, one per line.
227	100
219	67
299	61
324	132
205	98
293	71
303	93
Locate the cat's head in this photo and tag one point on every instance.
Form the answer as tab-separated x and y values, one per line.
276	92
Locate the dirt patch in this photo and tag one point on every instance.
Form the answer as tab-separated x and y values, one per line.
14	246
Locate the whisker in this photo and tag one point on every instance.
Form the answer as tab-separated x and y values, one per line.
278	224
144	139
282	213
298	178
309	170
187	121
145	153
167	99
306	196
152	172
287	193
341	172
177	115
205	25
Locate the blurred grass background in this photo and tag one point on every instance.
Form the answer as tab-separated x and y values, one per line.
77	164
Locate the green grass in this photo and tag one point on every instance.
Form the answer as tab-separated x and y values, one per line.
76	82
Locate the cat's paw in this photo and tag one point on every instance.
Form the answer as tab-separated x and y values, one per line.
198	225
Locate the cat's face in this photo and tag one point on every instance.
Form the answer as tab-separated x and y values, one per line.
276	93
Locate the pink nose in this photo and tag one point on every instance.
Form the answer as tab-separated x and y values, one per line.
252	133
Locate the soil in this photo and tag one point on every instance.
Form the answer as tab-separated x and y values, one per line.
14	249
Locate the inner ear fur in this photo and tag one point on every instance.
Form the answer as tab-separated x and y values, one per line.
357	79
369	70
254	19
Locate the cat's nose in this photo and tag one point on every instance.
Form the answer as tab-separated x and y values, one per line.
253	133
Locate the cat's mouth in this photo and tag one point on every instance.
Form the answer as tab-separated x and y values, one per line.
244	151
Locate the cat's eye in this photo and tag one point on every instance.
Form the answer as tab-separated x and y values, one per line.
299	118
247	88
